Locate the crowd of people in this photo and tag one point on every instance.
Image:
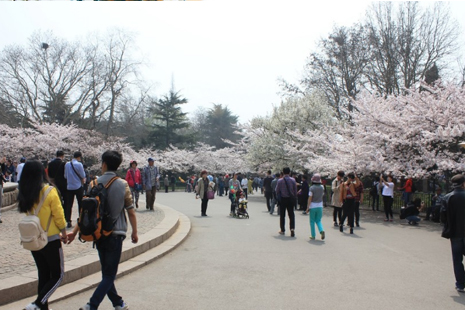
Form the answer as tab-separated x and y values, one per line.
285	191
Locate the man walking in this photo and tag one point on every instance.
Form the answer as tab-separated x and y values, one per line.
75	177
453	218
109	248
268	189
149	183
286	189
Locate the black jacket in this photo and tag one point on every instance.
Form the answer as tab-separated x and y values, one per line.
453	214
56	171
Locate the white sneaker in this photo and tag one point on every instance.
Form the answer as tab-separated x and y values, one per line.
31	306
86	307
124	306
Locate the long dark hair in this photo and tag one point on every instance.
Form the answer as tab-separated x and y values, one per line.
31	183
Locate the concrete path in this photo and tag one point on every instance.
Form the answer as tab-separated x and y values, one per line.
229	263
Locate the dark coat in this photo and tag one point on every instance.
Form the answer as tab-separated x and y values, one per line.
453	214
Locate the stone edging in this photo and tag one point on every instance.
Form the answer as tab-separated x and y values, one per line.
160	239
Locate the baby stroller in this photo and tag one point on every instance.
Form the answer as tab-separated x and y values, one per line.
241	207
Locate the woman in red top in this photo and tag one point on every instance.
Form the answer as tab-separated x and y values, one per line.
134	179
406	195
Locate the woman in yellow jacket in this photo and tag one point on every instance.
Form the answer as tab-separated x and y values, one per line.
49	260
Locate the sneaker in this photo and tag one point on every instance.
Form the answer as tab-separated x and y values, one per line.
292	233
312	238
31	306
124	306
281	232
86	307
460	290
322	235
391	220
336	224
386	220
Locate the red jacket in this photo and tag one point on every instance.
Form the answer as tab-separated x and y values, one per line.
133	177
408	186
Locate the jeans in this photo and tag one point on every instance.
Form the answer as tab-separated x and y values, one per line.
150	195
268	197
348	212
109	252
458	251
413	218
288	204
135	195
315	218
375	200
204	205
70	194
233	203
388	200
406	198
337	214
51	269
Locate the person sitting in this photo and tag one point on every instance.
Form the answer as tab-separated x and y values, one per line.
412	211
435	208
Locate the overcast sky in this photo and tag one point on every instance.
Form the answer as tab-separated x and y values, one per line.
219	51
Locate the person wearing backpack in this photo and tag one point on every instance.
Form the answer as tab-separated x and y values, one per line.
33	193
118	202
75	177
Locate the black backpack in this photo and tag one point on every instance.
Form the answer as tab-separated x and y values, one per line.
94	218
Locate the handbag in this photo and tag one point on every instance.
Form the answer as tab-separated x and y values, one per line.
210	194
287	187
137	186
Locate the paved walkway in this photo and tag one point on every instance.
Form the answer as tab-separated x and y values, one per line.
231	263
16	261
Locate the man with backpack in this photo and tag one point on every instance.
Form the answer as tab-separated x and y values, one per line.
56	174
117	199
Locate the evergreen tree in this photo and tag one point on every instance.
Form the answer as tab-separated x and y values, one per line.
221	124
167	120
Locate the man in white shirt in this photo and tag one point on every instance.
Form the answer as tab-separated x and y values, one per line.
19	169
244	185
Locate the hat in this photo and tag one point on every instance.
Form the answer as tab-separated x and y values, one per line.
458	179
133	162
316	178
150	159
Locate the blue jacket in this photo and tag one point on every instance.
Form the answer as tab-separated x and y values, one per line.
146	179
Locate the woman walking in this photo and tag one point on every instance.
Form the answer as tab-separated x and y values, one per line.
315	206
49	260
202	188
134	179
336	201
388	196
348	195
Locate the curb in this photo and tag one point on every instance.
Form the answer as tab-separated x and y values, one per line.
84	273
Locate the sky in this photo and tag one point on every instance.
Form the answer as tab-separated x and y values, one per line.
216	51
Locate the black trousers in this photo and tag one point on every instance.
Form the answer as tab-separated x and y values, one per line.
268	197
388	200
357	212
78	193
375	200
288	204
166	188
50	268
348	210
337	214
204	205
244	190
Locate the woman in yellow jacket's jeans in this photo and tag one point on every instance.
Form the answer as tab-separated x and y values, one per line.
49	260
